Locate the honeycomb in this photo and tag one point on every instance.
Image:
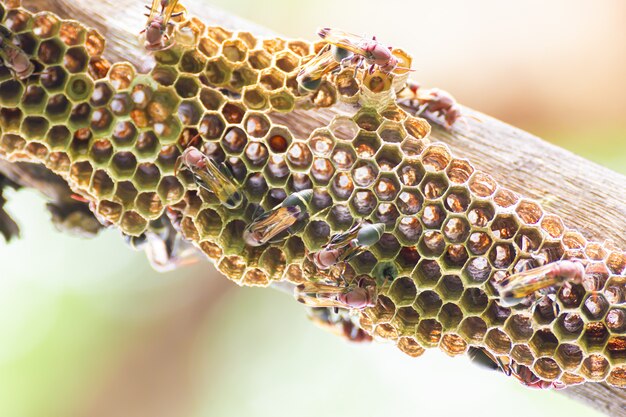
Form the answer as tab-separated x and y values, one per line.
451	232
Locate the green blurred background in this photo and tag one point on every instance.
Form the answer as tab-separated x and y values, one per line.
87	329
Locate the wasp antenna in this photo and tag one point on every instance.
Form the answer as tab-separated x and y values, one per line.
194	141
177	14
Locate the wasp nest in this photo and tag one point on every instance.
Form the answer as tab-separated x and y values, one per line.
450	232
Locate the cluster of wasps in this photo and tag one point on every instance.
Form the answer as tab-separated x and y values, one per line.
332	302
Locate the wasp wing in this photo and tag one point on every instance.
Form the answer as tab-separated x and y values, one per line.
154	10
344	40
169	10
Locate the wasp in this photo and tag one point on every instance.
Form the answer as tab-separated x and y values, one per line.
517	287
509	367
165	247
211	176
14	58
8	228
361	51
435	101
158	21
347	296
344	247
310	75
339	323
288	217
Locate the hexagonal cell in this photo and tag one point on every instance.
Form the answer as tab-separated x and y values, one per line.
473	329
402	292
429	332
450	316
384	310
101	184
388	157
477	270
595	368
101	121
498	342
427	273
217	71
483	185
569	356
121	75
322	171
346	84
456	200
35	128
455	257
595	306
569	326
316	234
456	229
45	25
428	303
409	203
529	211
11	92
321	199
407	259
480	214
287	61
502	255
432	244
459	171
386	213
544	343
547	368
520	328
79	87
343	157
386	189
616	263
595	336
364	173
340	218
417	127
232	266
76	59
546	310
616	320
366	145
51	52
433	216
505	198
300	48
53	79
410	173
410	346
255	187
125	193
58	108
299	156
259	59
277	169
192	62
409	230
98	68
257	125
571	295
474	300
504	226
58	137
528	240
616	349
149	205
453	345
282	101
101	152
110	210
33	99
342	186
147	176
436	158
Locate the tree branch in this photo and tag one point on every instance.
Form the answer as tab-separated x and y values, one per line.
586	196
